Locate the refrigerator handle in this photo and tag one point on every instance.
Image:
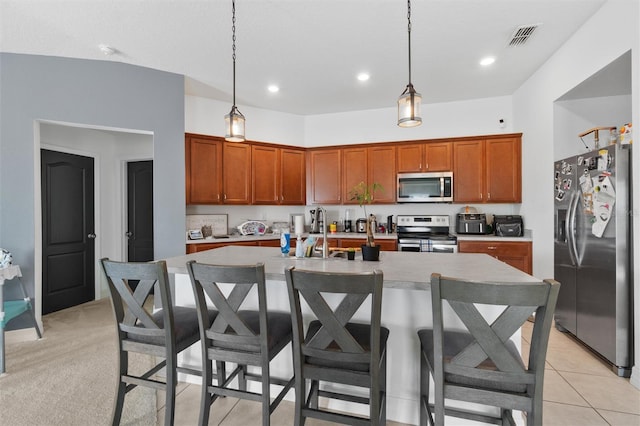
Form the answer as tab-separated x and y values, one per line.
570	229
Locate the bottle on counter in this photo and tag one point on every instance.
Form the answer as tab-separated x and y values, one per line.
285	242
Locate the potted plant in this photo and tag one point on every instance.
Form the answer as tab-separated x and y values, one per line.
363	194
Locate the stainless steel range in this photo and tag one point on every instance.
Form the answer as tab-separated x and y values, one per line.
427	233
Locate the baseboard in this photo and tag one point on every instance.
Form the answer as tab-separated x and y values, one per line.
635	376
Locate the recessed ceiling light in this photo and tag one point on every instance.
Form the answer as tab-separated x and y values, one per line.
487	61
363	76
107	50
273	88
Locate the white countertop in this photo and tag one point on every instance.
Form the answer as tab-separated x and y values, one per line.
401	269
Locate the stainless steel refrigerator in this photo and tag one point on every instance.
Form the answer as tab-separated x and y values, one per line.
592	252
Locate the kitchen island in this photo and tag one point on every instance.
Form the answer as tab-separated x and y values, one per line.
406	304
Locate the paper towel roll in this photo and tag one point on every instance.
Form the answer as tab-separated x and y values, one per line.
299	224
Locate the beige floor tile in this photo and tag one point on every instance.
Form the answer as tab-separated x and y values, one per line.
557	389
620	419
525	353
577	359
160	400
555	414
609	393
188	408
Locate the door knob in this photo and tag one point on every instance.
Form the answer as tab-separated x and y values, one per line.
128	234
91	235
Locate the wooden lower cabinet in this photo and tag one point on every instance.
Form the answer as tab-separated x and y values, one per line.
195	248
515	253
385	245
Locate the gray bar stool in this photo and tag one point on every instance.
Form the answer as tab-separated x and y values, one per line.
242	336
336	349
481	364
163	333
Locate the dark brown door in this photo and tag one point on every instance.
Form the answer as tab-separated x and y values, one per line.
140	211
68	239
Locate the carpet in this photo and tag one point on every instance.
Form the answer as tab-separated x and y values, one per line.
69	376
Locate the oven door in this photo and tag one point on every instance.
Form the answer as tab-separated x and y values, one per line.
444	248
408	244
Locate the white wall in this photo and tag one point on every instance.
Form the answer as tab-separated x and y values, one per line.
575	116
591	48
110	150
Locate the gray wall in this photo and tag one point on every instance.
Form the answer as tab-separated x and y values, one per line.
88	93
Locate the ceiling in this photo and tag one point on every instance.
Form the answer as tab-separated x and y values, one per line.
312	49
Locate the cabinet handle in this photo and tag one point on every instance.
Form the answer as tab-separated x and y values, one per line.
218	197
492	247
225	197
426	166
488	195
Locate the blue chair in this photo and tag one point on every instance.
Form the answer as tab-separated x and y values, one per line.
11	309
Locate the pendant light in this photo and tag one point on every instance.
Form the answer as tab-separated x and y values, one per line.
409	100
234	121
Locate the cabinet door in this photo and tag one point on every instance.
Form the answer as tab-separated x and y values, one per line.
517	254
203	170
292	172
237	173
265	174
504	170
437	157
354	171
468	171
381	163
410	158
325	181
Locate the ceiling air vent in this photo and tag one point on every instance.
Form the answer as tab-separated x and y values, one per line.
522	34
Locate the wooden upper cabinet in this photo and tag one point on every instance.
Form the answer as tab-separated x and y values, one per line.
292	177
409	158
503	170
278	175
354	171
487	170
236	173
424	157
382	170
325	178
265	175
203	167
468	171
437	156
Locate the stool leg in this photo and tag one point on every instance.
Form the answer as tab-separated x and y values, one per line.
1	350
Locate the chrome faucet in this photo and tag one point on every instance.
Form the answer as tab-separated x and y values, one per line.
325	243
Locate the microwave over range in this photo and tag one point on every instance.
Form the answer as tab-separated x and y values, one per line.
425	187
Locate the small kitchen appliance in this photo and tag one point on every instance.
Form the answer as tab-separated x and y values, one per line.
425	233
508	225
361	225
471	223
317	221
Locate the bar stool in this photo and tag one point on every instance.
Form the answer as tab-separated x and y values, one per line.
335	349
241	336
481	364
162	333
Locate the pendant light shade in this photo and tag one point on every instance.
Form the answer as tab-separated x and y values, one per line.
409	108
234	121
409	101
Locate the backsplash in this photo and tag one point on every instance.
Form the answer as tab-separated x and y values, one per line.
269	214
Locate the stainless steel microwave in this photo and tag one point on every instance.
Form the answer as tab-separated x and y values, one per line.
425	187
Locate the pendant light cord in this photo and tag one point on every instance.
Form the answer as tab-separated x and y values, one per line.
409	36
233	39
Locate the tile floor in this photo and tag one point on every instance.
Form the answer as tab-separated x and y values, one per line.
579	390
